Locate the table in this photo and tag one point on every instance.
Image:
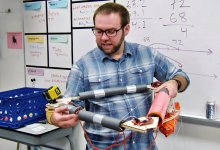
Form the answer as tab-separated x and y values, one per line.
36	134
200	120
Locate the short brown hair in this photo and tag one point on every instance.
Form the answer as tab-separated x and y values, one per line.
111	7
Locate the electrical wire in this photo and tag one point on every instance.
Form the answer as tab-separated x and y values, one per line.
139	103
111	146
153	142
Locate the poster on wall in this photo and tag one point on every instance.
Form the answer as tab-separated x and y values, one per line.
36	50
46	77
35	17
59	16
82	13
60	51
14	40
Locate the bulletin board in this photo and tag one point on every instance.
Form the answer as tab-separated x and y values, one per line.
186	32
52	33
36	50
59	16
60	51
35	17
46	77
82	13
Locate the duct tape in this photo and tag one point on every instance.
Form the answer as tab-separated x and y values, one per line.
131	89
99	93
97	118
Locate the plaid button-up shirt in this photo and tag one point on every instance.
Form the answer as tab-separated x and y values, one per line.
96	70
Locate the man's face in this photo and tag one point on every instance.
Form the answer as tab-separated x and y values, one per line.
111	45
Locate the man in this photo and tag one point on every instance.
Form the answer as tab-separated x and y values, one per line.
116	63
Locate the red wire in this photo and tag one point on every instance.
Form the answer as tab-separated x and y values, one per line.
87	137
153	142
117	144
116	140
113	145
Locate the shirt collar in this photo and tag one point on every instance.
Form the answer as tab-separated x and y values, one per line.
127	52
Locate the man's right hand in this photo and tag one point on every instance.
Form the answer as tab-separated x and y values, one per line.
62	118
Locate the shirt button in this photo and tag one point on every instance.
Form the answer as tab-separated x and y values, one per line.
121	80
131	109
140	70
133	142
99	79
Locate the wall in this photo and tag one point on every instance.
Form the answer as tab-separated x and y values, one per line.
11	60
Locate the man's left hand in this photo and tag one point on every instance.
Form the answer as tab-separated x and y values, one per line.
171	86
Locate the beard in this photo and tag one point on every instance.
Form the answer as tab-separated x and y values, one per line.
115	48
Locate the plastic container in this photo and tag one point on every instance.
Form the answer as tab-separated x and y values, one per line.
22	106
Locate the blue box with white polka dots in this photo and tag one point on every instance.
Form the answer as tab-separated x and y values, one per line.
22	106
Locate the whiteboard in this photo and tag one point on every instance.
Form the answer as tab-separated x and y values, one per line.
188	33
46	77
36	50
60	51
34	17
80	49
59	18
82	13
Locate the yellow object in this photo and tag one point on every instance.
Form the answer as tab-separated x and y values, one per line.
50	107
53	93
35	39
49	113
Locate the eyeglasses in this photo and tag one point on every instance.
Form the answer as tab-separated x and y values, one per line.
109	33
